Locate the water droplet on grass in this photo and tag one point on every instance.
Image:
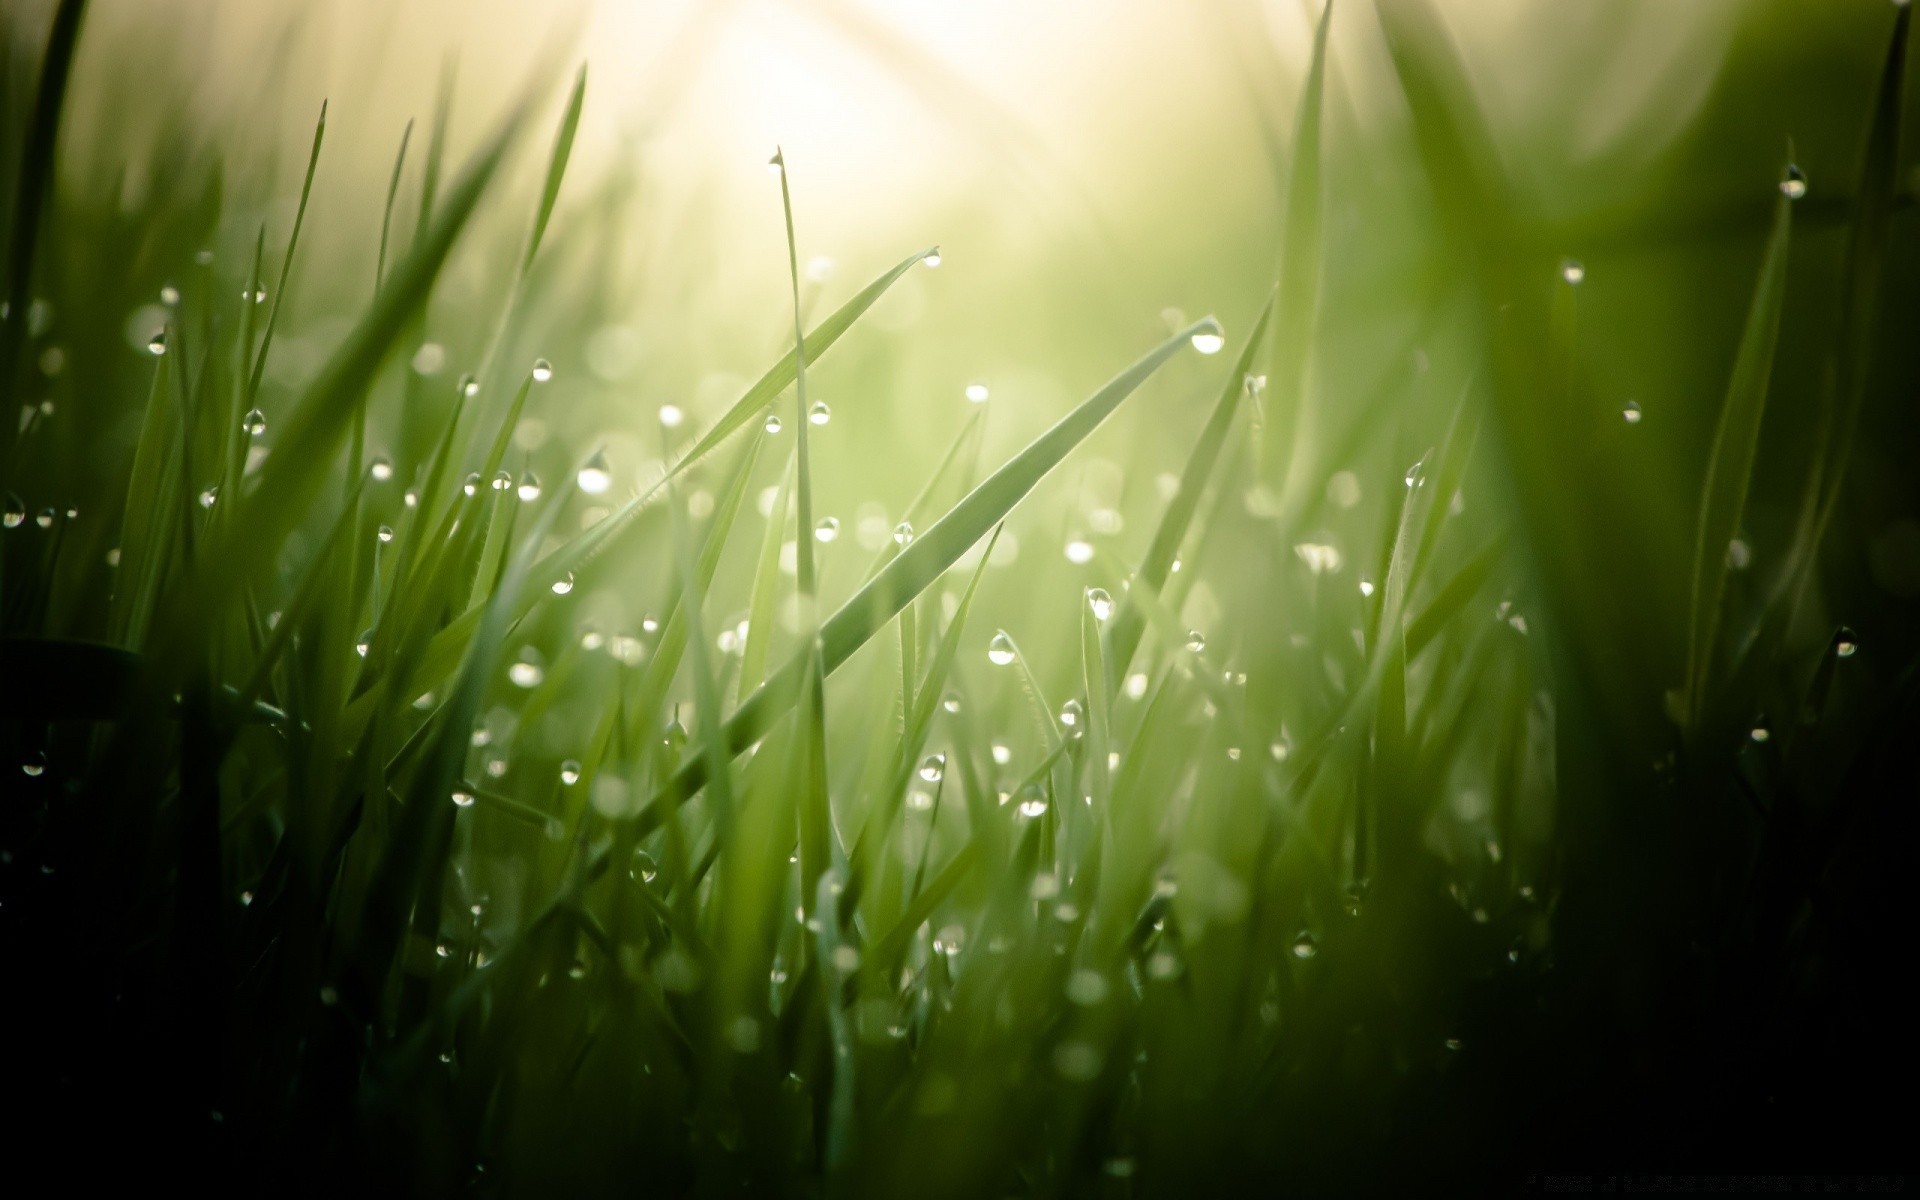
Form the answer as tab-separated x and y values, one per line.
1000	650
563	585
526	673
1079	550
1100	603
932	257
1845	643
1630	412
570	772
826	529
819	413
773	423
463	796
157	344
1573	271
933	767
254	423
14	514
595	478
542	370
1304	946
1196	641
529	489
34	765
1793	184
384	534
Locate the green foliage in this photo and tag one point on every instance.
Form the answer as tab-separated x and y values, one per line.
1365	784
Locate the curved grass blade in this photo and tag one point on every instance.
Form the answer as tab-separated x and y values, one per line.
929	556
557	165
1172	530
1736	440
286	263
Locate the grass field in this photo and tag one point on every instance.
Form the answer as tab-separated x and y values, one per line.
481	717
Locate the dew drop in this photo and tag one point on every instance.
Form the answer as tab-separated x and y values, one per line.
826	529
903	534
1100	602
208	496
1845	642
773	423
671	416
1196	641
170	295
596	477
951	702
15	513
380	470
563	585
932	257
932	767
363	643
1000	650
819	413
34	765
977	393
1033	805
1209	340
463	796
1630	412
502	481
526	673
529	489
1073	715
44	518
1304	946
1793	184
472	484
542	370
384	534
1079	550
570	772
157	345
255	422
1573	271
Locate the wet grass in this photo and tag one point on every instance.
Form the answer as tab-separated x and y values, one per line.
394	800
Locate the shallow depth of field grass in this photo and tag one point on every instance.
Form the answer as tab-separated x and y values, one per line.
1455	721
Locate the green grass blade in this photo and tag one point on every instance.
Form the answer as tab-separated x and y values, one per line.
1172	530
286	263
1736	441
557	165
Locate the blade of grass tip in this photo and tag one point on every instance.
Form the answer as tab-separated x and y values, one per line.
557	165
766	588
1300	269
287	481
1736	440
436	145
1172	530
929	556
286	263
33	186
1859	318
386	213
803	488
